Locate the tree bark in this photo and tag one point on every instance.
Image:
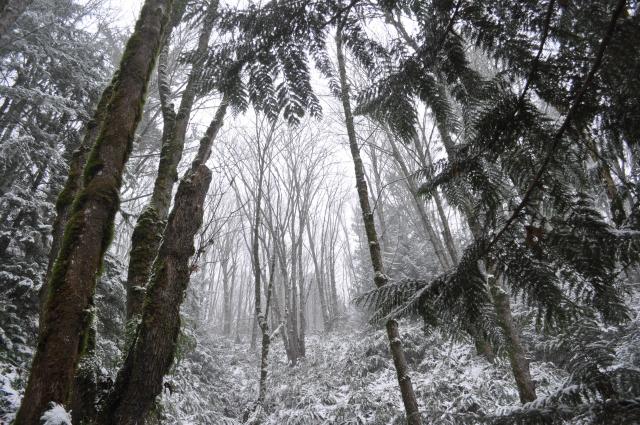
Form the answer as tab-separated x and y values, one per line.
378	202
88	232
430	233
380	279
147	233
302	317
72	187
261	317
83	400
227	296
326	322
139	381
517	355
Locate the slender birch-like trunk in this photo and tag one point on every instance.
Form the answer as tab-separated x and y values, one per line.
380	279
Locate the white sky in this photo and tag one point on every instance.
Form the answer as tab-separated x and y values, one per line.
127	11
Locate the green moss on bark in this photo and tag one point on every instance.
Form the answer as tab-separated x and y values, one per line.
145	242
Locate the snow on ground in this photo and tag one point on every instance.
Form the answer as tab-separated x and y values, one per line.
347	377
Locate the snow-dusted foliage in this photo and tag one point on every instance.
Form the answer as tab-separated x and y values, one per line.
482	267
56	415
347	377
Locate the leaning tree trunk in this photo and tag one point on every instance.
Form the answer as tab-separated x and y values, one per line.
380	279
515	349
419	204
147	233
72	186
139	381
69	297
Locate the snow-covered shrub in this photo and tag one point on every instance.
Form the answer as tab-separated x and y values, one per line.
55	415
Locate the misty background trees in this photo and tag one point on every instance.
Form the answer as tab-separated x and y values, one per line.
210	216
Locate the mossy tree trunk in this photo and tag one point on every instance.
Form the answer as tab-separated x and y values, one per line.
85	386
87	235
152	351
147	233
380	279
72	186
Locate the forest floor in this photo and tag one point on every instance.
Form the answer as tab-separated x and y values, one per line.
347	377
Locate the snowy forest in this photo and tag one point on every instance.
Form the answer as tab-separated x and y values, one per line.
306	212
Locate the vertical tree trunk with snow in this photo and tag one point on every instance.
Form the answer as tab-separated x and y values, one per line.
227	295
243	298
261	317
326	321
139	381
515	349
302	318
378	201
380	279
69	297
483	347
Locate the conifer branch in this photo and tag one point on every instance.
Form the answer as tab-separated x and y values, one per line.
565	125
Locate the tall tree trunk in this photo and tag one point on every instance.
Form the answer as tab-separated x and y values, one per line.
326	322
147	233
332	281
482	344
261	317
139	381
515	349
294	312
483	347
302	318
288	334
266	338
243	299
380	279
88	233
378	201
72	186
85	388
446	230
430	232
227	296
